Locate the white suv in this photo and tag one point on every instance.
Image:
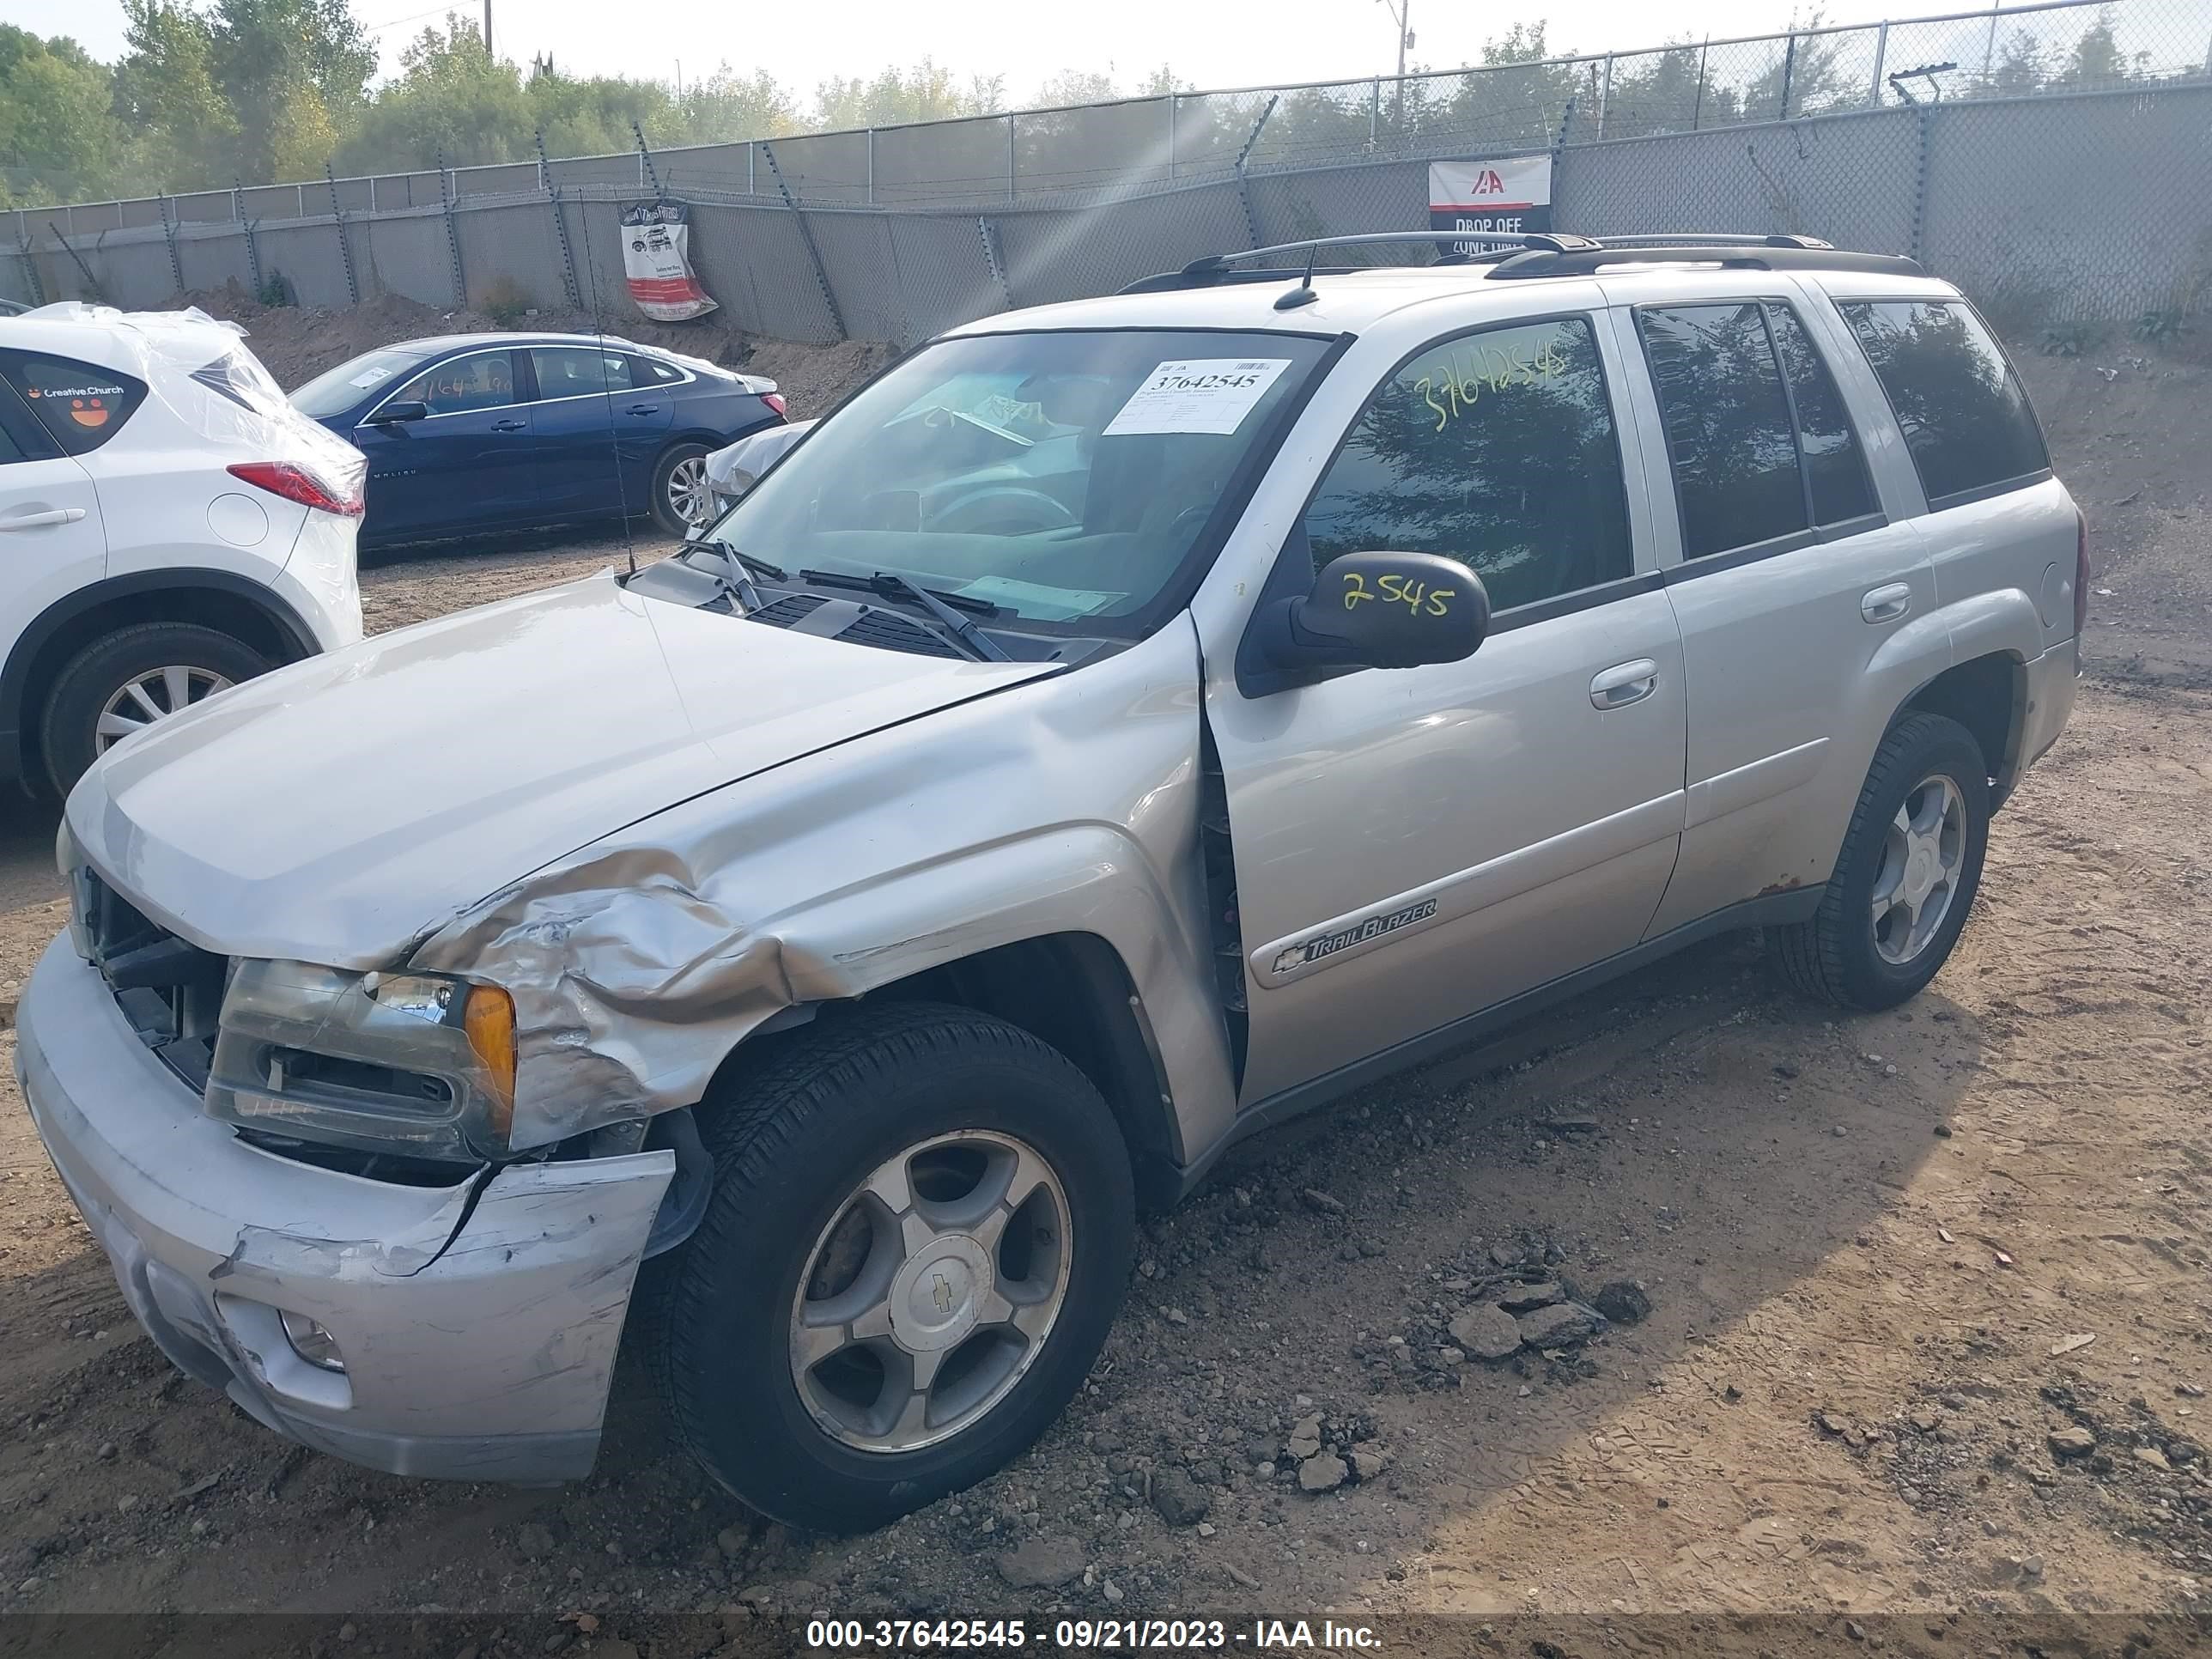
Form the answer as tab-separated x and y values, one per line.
169	526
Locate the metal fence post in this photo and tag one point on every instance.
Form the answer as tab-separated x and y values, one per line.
300	190
1604	97
752	162
1173	100
345	248
1009	156
91	282
372	192
253	242
806	235
1698	106
453	228
1789	74
872	166
650	175
569	286
1923	135
1880	55
1244	185
992	257
168	205
30	264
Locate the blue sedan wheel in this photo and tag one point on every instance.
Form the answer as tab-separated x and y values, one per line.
683	500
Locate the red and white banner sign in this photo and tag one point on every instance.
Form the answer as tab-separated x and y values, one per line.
657	262
1511	195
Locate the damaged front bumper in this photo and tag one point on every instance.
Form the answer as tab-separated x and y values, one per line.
476	1324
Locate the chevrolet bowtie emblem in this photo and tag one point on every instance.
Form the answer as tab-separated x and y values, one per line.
941	1292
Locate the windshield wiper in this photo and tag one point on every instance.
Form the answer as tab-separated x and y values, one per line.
890	585
737	571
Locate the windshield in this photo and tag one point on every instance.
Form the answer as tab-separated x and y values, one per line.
1058	476
336	390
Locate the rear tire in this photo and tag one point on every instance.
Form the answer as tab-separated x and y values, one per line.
1916	839
679	483
92	697
935	1342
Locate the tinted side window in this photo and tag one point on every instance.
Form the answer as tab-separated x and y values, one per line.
1727	425
1497	448
80	405
1966	422
1834	466
485	380
578	371
9	449
645	372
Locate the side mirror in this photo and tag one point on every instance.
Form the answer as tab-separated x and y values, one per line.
393	413
1367	610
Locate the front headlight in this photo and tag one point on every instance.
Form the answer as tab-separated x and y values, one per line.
421	1064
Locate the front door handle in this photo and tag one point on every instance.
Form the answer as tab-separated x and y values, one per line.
52	516
1624	683
1887	602
510	426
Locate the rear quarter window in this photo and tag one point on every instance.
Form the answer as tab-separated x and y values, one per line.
1966	422
80	405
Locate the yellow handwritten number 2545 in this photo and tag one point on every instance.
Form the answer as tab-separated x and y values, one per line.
1402	589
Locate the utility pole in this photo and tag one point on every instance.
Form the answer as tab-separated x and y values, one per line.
487	29
1401	11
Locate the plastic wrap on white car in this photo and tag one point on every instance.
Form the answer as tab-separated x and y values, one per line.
200	368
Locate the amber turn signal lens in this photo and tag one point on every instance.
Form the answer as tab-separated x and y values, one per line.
488	1019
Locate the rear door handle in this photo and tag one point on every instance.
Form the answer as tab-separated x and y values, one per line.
645	409
52	516
1887	603
1624	683
510	426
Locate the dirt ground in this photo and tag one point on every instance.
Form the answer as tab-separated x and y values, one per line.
1927	1342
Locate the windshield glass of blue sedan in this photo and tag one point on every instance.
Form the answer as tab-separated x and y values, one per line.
1058	475
335	390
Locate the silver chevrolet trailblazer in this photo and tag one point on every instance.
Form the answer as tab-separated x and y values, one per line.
1121	726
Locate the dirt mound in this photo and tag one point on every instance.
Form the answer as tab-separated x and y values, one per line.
298	343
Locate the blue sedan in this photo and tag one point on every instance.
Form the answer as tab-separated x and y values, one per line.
476	431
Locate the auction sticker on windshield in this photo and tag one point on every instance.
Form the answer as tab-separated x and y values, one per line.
1197	394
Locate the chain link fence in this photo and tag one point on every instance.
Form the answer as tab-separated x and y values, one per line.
2055	159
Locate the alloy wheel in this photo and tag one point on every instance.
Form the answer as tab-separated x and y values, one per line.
153	696
1921	859
689	497
930	1292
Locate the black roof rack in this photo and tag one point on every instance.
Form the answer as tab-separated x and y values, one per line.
1519	255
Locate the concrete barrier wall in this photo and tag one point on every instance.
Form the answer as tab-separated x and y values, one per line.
2091	207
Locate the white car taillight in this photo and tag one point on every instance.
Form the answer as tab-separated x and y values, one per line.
296	484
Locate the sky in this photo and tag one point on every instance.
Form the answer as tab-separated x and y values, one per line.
1227	43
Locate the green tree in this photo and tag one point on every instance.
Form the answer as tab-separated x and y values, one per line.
167	96
1657	91
451	96
2020	66
1808	69
894	97
59	139
265	50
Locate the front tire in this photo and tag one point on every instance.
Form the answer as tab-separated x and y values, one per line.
683	500
922	1224
1911	865
130	679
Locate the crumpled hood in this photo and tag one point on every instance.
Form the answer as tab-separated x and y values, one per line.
339	809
